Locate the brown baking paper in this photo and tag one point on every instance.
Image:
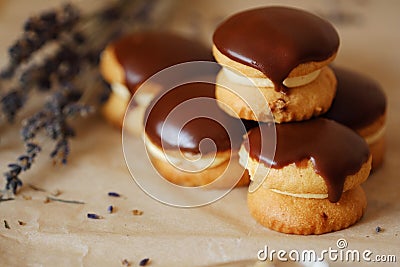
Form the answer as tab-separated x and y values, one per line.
60	234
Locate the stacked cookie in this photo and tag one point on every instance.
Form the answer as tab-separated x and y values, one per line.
191	141
170	120
276	48
275	68
305	163
127	62
360	104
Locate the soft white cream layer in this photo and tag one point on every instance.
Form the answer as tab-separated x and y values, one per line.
265	82
135	117
143	97
376	136
187	161
318	196
121	91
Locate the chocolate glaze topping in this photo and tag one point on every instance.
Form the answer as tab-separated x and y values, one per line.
193	121
359	100
335	150
275	40
143	54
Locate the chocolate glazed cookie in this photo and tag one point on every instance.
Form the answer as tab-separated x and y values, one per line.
191	141
284	52
361	104
318	164
130	60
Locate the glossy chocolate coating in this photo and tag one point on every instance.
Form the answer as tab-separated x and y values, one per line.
359	100
335	150
193	121
143	54
275	40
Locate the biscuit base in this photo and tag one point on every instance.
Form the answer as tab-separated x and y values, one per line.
299	103
114	112
110	68
306	216
207	176
114	109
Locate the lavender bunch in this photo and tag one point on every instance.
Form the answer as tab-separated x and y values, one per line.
68	44
37	31
53	120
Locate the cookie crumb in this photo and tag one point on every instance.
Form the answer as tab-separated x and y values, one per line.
56	193
6	225
21	223
279	105
137	212
26	197
34	187
125	262
378	229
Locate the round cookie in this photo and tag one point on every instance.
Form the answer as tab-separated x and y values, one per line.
130	60
318	164
277	48
191	141
300	103
306	216
361	104
275	42
318	156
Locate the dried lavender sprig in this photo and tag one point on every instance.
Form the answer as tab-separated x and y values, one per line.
11	103
6	199
144	262
6	225
94	216
41	28
110	209
113	194
59	70
65	200
39	31
34	187
53	120
77	55
83	40
23	163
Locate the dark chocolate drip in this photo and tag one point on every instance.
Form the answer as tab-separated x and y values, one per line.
359	100
193	121
143	54
335	150
275	40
